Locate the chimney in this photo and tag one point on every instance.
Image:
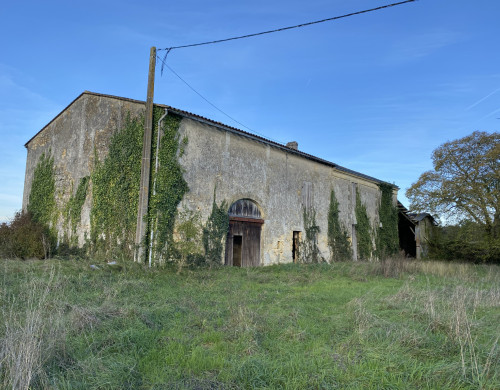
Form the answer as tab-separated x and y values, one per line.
293	145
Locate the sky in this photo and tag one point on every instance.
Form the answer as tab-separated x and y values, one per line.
376	93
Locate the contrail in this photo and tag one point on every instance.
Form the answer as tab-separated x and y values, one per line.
482	100
490	114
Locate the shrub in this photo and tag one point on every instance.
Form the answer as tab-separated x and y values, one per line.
24	238
467	241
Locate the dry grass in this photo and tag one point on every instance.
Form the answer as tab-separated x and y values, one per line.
30	337
452	309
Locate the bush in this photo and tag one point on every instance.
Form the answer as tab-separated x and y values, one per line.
467	241
24	238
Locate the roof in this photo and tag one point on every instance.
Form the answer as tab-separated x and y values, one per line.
415	218
223	126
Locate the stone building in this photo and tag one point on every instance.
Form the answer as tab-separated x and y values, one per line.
268	187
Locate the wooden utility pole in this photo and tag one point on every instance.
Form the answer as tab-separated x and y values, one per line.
142	212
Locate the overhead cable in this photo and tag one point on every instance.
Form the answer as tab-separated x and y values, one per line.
209	102
168	49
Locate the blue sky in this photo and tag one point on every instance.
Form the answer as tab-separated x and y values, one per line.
375	92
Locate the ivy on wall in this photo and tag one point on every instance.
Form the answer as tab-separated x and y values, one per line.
115	189
76	202
387	237
363	230
309	251
215	233
338	239
169	185
42	203
189	239
115	184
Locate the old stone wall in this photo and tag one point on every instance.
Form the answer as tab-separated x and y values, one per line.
74	138
280	181
275	179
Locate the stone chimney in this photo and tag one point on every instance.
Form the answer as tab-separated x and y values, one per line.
293	145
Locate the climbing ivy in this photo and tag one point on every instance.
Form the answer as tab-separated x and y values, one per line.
189	240
309	251
76	202
338	239
115	191
363	230
215	232
42	202
168	184
387	237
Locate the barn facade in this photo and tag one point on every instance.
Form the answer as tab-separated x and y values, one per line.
272	193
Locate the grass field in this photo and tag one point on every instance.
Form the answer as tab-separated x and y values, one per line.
392	325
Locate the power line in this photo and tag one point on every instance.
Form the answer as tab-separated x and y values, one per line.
168	49
209	102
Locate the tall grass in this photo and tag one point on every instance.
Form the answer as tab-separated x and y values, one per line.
458	308
32	332
395	324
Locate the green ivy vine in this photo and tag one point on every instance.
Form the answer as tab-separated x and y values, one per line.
42	202
215	233
387	237
76	202
168	183
338	239
309	251
115	189
363	230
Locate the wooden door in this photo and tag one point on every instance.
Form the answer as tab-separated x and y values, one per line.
243	243
243	238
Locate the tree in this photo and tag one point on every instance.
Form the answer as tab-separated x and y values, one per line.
465	182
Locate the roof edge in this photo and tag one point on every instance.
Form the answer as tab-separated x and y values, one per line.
223	126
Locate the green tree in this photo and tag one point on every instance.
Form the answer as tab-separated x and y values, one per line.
465	182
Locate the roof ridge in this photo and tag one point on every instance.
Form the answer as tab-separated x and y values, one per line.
225	127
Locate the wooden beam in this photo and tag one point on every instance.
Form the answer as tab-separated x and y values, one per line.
243	219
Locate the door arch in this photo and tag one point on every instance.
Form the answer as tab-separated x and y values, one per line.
243	238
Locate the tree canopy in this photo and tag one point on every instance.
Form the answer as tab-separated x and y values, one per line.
465	182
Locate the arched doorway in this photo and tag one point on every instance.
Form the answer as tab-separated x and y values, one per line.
243	238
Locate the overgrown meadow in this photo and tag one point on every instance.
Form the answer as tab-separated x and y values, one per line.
391	325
